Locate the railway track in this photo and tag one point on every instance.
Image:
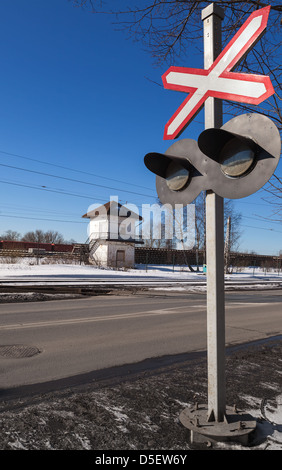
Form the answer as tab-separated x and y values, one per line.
101	285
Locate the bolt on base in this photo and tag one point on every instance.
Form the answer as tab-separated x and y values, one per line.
236	427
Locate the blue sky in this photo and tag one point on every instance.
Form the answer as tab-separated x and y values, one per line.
80	106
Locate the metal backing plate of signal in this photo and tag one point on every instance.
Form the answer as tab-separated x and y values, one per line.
264	134
234	161
185	152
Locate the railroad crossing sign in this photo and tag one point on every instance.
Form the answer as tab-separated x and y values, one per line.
233	161
218	81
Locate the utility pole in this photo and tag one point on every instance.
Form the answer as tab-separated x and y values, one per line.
227	245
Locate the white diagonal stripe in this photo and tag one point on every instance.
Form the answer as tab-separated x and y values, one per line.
240	42
214	83
187	108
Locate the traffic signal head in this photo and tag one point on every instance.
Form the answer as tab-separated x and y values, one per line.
233	161
247	150
178	180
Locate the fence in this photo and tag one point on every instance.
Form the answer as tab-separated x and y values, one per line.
144	255
165	256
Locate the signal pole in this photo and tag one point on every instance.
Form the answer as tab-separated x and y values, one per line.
233	160
212	16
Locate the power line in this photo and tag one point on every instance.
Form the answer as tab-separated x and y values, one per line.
45	189
37	218
22	209
262	219
52	190
254	203
74	169
72	180
262	228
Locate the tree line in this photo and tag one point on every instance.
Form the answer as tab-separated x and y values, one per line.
36	236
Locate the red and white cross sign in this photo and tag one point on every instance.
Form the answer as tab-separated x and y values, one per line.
218	81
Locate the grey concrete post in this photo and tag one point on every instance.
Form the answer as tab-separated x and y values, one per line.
212	16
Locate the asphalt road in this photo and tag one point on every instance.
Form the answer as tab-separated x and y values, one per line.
76	336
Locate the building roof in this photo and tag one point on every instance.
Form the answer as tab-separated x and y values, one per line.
112	208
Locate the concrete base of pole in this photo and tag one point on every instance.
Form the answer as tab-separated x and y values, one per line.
236	427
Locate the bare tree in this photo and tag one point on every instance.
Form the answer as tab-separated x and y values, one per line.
200	222
89	4
172	226
273	191
51	236
157	231
11	235
235	224
38	236
172	29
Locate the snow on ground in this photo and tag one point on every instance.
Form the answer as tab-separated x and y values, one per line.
268	414
268	428
29	267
